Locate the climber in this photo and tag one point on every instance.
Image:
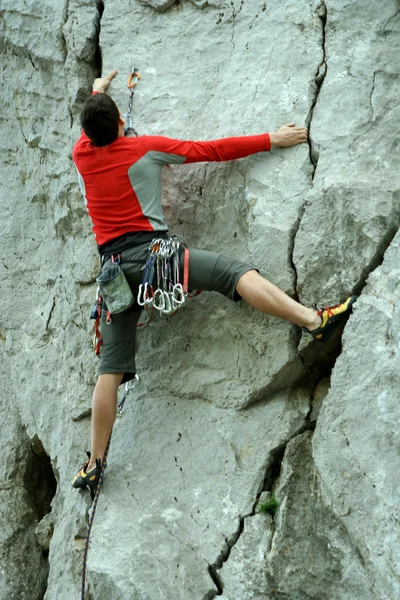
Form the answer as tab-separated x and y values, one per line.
120	179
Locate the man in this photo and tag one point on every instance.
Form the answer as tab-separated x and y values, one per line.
120	179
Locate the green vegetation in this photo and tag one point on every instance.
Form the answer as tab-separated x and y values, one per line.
269	507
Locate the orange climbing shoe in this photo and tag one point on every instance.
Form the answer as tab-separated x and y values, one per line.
91	479
331	316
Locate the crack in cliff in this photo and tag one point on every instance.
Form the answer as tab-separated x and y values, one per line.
313	153
318	81
234	15
378	257
268	484
50	313
391	19
65	52
64	43
292	239
371	96
41	484
233	24
276	455
314	361
98	57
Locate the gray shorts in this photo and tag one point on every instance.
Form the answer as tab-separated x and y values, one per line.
208	271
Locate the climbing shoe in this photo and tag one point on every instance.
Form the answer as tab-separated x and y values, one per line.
90	480
331	316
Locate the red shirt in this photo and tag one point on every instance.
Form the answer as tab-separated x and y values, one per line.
121	182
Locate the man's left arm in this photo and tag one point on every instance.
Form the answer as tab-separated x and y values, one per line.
230	148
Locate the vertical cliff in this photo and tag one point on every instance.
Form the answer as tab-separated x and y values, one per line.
232	406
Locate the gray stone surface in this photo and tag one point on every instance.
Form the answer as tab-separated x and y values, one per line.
353	210
356	443
302	552
202	437
206	465
23	568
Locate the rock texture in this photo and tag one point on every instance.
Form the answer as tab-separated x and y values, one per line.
223	417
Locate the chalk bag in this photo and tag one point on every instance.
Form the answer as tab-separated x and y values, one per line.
115	289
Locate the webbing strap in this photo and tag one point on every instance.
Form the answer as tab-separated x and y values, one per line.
185	285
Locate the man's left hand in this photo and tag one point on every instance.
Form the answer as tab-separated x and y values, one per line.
101	83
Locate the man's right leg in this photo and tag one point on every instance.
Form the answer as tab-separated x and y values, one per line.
236	280
266	297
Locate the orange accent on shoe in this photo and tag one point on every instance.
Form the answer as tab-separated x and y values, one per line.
331	315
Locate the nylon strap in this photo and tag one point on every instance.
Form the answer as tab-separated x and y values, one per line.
185	285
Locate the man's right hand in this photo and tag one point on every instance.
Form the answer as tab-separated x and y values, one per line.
101	83
289	135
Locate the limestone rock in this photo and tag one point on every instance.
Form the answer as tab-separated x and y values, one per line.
207	465
23	567
222	388
345	229
302	552
160	5
357	439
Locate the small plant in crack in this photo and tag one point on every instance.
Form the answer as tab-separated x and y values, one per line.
269	507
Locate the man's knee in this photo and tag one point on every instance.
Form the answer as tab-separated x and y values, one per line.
246	279
109	380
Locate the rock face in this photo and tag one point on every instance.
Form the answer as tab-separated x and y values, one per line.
223	417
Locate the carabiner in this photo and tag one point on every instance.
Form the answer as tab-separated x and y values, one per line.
178	297
148	295
168	309
141	293
159	300
131	76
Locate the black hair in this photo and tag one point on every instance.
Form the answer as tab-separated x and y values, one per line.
100	119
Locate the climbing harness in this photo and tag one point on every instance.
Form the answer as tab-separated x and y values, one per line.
132	82
160	289
162	265
95	500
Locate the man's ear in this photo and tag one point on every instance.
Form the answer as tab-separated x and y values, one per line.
121	120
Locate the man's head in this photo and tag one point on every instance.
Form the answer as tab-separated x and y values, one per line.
100	119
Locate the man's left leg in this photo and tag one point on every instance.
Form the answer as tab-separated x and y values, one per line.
117	364
104	408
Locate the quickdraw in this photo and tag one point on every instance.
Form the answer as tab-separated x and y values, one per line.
162	264
132	82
